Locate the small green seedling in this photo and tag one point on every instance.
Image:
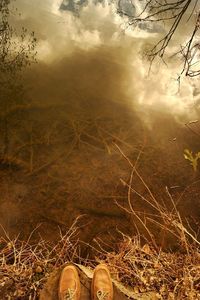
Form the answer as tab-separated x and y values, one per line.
193	158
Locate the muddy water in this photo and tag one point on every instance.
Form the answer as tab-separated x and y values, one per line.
88	178
63	161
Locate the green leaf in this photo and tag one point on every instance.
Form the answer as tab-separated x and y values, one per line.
188	155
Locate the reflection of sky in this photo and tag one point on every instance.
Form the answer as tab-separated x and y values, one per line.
72	5
49	9
125	6
57	30
49	6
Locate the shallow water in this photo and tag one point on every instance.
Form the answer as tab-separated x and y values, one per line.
69	145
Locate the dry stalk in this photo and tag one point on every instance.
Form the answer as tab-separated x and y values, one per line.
25	267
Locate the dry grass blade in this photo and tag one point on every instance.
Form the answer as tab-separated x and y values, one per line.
25	267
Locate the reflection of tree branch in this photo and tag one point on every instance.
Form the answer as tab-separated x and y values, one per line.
160	11
55	159
29	107
31	149
164	42
188	125
188	57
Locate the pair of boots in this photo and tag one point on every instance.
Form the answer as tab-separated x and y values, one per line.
70	287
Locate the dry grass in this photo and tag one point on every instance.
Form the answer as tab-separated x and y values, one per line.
141	263
25	267
145	269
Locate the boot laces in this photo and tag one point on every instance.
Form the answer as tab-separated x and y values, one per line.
102	295
69	295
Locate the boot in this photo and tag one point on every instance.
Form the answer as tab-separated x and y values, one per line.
69	284
102	288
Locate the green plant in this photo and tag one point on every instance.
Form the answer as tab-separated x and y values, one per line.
193	158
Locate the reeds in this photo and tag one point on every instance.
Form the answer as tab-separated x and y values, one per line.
143	263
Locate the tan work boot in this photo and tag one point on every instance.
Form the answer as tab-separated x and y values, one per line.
69	284
102	288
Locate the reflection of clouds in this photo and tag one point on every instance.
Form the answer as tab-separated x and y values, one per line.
127	7
61	34
72	5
